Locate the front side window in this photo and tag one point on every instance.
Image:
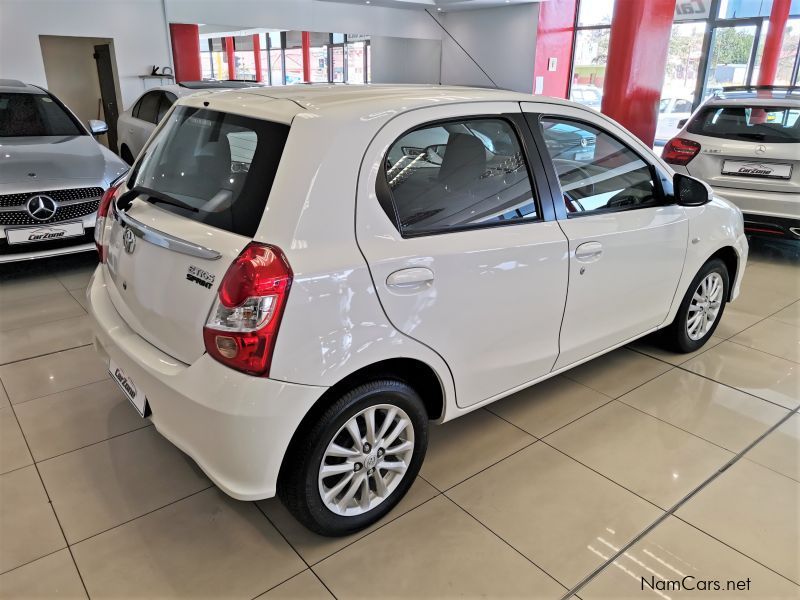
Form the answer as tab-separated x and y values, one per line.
29	115
597	172
750	123
459	174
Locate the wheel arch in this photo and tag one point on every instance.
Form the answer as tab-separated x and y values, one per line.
728	255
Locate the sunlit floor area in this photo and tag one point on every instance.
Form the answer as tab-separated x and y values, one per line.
638	469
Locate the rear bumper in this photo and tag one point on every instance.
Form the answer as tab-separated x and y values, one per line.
779	205
235	426
774	227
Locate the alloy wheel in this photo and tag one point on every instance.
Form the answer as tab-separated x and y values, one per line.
705	306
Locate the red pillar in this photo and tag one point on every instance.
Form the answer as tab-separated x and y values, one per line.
555	31
306	39
229	49
185	41
772	45
257	56
637	60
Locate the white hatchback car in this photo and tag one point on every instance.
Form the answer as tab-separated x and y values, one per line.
292	289
745	143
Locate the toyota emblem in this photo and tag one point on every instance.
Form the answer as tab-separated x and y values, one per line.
41	207
761	149
129	241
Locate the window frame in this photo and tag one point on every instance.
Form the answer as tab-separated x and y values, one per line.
662	182
528	147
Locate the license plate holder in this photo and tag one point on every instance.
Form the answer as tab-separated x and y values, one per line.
757	168
134	395
44	233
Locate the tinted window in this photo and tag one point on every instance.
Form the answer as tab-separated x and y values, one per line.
459	174
147	108
221	164
597	171
166	102
752	123
34	115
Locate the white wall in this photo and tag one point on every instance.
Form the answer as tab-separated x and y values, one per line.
502	40
403	60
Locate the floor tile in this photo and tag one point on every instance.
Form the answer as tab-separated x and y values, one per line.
80	298
764	293
37	340
774	337
13	449
312	547
617	372
435	551
53	373
486	439
305	586
649	457
78	417
674	550
649	346
38	310
28	527
552	509
104	485
76	278
735	321
16	289
4	401
710	410
789	315
763	375
53	576
546	406
207	545
753	510
780	450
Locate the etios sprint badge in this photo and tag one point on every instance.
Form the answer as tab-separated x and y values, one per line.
200	276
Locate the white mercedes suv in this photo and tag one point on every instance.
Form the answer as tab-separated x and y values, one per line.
745	142
295	283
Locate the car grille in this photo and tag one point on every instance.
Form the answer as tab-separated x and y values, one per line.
72	204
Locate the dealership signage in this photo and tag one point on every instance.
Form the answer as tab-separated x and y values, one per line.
686	10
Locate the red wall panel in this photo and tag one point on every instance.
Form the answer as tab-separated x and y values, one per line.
185	41
554	35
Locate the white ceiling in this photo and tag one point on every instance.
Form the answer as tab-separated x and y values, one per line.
438	5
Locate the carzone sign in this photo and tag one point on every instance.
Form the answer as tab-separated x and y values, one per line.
692	9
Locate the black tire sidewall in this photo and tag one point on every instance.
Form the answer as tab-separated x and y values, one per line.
681	337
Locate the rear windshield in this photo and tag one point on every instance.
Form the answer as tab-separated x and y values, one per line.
221	164
753	123
28	115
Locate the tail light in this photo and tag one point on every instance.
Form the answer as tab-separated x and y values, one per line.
243	323
100	222
679	151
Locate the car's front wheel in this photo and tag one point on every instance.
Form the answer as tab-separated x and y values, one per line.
358	460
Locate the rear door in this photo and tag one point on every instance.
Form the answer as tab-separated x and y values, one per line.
461	244
145	115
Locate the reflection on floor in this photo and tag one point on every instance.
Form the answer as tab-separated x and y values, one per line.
607	481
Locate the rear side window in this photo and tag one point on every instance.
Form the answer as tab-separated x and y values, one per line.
775	125
147	108
221	164
458	174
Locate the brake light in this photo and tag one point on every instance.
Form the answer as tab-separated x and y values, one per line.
100	221
679	151
243	324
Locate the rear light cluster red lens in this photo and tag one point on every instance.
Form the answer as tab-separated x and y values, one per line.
243	323
100	222
679	151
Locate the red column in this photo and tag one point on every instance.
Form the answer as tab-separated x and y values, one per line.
637	60
185	41
772	45
229	49
555	31
306	39
257	56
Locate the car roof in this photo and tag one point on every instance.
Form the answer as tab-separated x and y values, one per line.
756	96
18	87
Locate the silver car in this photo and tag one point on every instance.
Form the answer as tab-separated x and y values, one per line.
52	175
745	143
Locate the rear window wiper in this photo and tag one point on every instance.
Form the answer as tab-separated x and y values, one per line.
750	136
154	196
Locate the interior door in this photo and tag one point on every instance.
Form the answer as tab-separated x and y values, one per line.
108	91
627	244
459	244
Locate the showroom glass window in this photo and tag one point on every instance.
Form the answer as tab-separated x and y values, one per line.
596	171
591	51
459	174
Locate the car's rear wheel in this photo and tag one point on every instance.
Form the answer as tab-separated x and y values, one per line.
701	309
358	460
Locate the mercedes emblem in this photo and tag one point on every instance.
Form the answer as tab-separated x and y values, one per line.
761	149
41	207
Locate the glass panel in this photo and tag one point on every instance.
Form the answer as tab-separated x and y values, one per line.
355	62
245	65
596	171
207	65
730	55
368	74
294	65
276	67
595	12
789	52
738	9
750	123
319	64
589	67
680	80
337	54
459	174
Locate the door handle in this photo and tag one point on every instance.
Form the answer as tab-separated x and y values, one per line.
589	252
409	279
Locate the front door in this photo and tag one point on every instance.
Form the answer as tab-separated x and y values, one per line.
626	243
452	226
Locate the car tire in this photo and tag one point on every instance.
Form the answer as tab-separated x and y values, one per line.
701	309
341	502
126	155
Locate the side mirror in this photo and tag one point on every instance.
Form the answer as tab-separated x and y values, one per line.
97	127
682	123
690	191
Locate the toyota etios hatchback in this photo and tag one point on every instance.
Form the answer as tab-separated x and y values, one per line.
295	283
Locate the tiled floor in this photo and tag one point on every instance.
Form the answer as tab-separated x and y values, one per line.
638	465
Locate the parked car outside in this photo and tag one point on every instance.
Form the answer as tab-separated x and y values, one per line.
588	95
53	173
296	318
672	110
745	143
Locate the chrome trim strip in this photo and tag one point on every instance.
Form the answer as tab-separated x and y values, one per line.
22	207
165	240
